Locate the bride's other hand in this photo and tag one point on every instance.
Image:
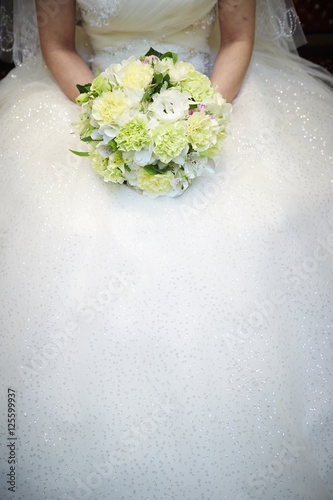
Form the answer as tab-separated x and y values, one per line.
237	26
57	40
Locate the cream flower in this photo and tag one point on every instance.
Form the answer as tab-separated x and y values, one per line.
154	184
177	72
108	107
136	75
214	150
202	131
131	73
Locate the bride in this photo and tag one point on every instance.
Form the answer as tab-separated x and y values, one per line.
168	348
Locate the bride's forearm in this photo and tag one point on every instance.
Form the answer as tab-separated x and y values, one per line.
237	26
230	67
68	69
57	41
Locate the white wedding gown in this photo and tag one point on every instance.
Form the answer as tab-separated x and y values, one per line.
169	348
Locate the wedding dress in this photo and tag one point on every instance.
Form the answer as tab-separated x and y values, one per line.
169	348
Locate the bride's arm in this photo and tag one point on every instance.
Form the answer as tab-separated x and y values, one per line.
57	40
237	23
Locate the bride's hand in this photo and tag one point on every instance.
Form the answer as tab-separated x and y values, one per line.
237	26
57	40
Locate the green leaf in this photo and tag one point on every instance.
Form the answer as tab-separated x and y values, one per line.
79	153
153	52
155	86
127	168
172	55
83	89
113	144
149	92
153	169
87	139
157	79
146	96
167	79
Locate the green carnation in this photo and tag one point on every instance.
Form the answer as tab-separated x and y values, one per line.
198	85
169	140
133	135
202	131
111	168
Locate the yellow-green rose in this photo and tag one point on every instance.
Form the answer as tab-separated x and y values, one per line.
107	108
201	130
169	140
100	85
134	134
82	98
136	75
198	85
154	184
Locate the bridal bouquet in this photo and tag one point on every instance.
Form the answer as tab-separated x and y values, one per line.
154	122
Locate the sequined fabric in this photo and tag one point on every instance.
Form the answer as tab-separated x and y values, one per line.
169	348
100	13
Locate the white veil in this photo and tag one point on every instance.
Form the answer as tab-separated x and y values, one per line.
19	40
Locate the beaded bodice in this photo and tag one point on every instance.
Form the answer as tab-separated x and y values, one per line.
118	29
